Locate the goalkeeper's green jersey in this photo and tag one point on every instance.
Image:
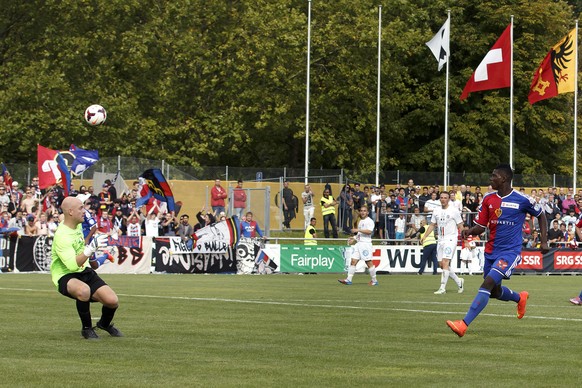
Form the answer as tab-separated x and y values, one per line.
67	244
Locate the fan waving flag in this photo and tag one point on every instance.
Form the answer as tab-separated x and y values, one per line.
494	71
439	44
83	159
7	177
65	173
556	74
156	186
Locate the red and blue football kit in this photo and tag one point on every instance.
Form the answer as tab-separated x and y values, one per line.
504	216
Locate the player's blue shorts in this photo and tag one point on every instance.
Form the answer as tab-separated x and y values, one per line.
500	265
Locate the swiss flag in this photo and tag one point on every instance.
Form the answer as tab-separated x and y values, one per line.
494	71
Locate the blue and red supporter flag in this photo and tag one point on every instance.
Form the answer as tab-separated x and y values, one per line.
7	177
83	159
156	185
65	173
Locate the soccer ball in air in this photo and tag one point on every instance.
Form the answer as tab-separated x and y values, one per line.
95	115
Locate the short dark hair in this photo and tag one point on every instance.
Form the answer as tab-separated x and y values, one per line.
506	170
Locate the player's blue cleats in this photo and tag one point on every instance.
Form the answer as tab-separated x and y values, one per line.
345	281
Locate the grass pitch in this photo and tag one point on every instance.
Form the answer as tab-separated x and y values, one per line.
289	331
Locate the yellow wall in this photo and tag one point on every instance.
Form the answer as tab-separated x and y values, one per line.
196	194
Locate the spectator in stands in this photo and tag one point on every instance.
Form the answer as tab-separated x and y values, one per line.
402	201
375	196
359	198
185	230
239	199
382	212
14	204
217	197
111	190
308	205
551	207
416	218
430	205
469	207
119	221
287	204
151	224
30	227
104	224
400	226
105	201
328	204
310	233
563	233
37	194
169	225
41	225
4	198
204	218
53	224
566	203
346	203
249	227
134	225
18	221
423	197
570	217
409	187
412	201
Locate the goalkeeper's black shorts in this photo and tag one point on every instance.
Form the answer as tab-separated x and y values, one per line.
88	276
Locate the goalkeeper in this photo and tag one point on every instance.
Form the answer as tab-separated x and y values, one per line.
74	277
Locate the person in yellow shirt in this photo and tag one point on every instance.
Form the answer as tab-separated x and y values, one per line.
328	204
310	233
72	274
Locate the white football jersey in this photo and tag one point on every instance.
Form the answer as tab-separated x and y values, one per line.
368	224
447	221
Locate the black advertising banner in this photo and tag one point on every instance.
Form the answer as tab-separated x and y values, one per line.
192	262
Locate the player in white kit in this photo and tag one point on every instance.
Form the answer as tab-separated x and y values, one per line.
449	223
362	248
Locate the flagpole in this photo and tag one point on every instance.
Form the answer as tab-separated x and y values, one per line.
575	171
446	156
378	98
307	92
511	97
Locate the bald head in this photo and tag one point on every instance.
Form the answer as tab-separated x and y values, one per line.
69	203
73	211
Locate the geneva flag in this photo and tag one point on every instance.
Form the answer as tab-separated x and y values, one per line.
556	74
494	71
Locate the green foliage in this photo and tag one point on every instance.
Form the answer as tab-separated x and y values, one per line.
224	83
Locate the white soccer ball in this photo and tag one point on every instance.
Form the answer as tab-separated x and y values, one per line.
95	115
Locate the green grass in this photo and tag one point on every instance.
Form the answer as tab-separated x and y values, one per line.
289	331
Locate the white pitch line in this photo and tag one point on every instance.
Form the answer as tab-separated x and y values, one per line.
330	306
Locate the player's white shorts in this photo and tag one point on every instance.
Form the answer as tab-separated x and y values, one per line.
362	251
468	254
446	250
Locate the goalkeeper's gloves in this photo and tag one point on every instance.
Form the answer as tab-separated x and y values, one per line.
96	243
100	259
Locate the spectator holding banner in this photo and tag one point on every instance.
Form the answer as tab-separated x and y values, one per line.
249	227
